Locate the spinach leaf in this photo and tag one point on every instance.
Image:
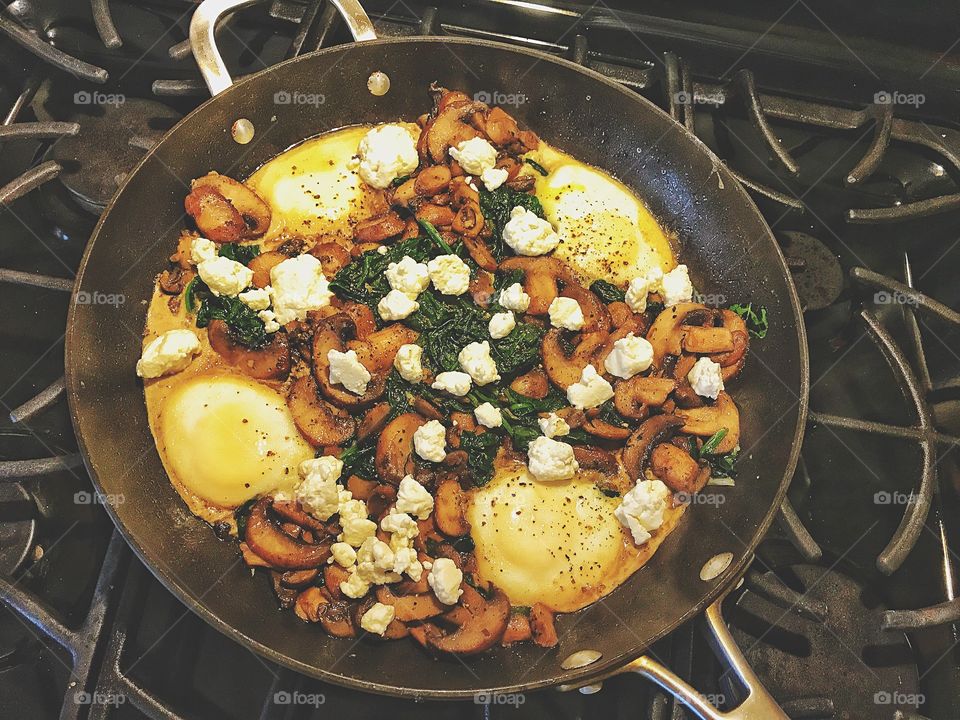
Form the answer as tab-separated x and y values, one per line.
610	415
246	328
607	292
711	443
447	325
364	280
481	449
496	207
756	320
243	254
189	297
432	233
519	351
537	166
358	460
722	466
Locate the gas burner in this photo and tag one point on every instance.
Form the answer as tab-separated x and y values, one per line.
816	270
115	133
17	526
827	656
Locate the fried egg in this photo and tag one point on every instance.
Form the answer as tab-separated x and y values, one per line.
605	230
556	543
227	438
313	189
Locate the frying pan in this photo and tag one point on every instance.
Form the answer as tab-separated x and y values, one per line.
721	237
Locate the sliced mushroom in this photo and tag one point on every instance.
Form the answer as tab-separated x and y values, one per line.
251	558
394	455
542	625
432	180
595	314
333	575
286	596
337	619
271	362
410	608
309	604
320	422
448	510
732	362
518	629
666	333
707	420
333	257
378	229
437	215
482	623
704	339
677	469
532	384
327	336
298	578
639	446
292	512
276	547
602	429
479	251
590	457
632	398
448	128
253	209
380	500
214	215
541	276
262	264
564	370
378	349
374	421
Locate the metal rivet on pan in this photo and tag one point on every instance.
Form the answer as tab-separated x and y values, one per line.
378	83
581	658
591	689
715	565
242	131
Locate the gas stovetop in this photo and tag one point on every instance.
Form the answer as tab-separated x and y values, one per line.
839	124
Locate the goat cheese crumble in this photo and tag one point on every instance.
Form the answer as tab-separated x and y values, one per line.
675	286
501	324
642	509
169	353
444	579
346	370
706	378
453	381
225	276
590	391
476	362
566	313
549	460
256	298
478	157
408	276
386	153
397	305
202	249
630	355
528	234
514	298
409	362
318	491
377	618
413	498
553	426
450	275
299	286
430	441
488	415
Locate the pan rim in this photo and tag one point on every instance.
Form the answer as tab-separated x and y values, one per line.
606	665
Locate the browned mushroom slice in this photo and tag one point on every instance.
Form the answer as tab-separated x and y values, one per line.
394	455
501	128
382	497
448	128
666	333
707	420
706	339
603	429
564	370
252	208
332	256
639	446
633	397
432	180
732	362
298	578
309	604
333	575
320	422
594	458
478	250
214	216
251	558
262	264
542	625
379	228
533	384
595	314
328	336
374	421
678	471
286	596
337	619
276	547
437	215
448	511
271	362
518	628
292	512
410	608
541	275
360	488
482	623
378	349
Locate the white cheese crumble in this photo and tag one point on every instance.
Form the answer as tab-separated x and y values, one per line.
476	362
590	391
409	362
706	378
356	530
342	554
270	324
444	579
642	509
549	460
413	498
375	562
492	178
636	295
449	274
396	305
225	276
168	353
630	355
528	234
386	153
566	313
488	415
346	370
430	441
676	287
299	286
501	324
474	155
514	298
453	381
256	298
377	618
408	276
553	426
202	249
318	491
354	586
400	524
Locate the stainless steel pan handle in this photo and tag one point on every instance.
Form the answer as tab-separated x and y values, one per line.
204	22
758	704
